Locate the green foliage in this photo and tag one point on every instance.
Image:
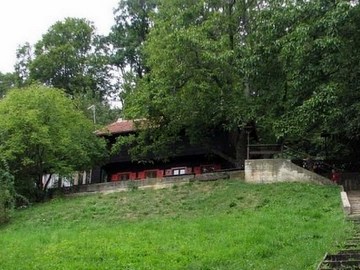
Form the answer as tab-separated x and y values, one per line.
41	132
126	40
215	225
132	25
7	192
24	57
103	112
7	81
70	57
290	67
320	93
194	86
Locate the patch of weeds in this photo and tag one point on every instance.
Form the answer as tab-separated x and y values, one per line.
232	204
264	251
146	213
132	185
133	207
216	183
263	203
189	184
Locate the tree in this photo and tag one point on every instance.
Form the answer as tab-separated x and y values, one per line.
321	67
195	86
101	113
70	57
127	36
7	192
7	81
126	40
24	56
41	132
219	66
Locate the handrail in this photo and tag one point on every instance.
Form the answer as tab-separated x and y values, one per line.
265	148
310	157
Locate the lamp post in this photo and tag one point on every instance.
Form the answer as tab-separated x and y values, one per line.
93	108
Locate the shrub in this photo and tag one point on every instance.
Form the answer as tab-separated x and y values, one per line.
7	194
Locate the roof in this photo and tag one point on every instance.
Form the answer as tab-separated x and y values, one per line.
119	127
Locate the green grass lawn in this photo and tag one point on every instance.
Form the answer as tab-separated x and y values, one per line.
215	225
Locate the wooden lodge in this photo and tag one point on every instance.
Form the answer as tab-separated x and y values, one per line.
194	160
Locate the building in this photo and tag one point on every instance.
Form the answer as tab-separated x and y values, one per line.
191	160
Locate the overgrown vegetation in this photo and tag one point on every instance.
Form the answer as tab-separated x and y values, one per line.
42	132
7	192
216	225
288	67
197	68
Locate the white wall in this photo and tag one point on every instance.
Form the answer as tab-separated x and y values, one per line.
279	170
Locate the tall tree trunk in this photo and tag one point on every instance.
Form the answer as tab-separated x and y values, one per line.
238	141
39	183
241	148
59	181
47	181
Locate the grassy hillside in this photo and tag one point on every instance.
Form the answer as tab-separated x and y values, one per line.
216	225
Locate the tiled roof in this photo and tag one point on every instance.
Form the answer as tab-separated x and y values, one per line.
118	127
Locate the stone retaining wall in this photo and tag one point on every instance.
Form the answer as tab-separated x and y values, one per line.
154	183
279	170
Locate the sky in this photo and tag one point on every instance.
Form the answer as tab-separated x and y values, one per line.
27	20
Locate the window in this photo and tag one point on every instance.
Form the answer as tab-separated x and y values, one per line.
150	174
179	171
207	168
124	176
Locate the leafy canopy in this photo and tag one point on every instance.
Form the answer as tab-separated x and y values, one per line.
289	66
41	132
7	192
69	56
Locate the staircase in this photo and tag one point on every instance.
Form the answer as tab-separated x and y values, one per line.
345	259
354	199
349	256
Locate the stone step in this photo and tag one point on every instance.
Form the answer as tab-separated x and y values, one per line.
349	251
348	257
342	256
354	200
341	264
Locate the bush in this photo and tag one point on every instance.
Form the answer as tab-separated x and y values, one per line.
7	195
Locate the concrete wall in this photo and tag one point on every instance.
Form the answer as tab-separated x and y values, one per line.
279	170
154	183
130	184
